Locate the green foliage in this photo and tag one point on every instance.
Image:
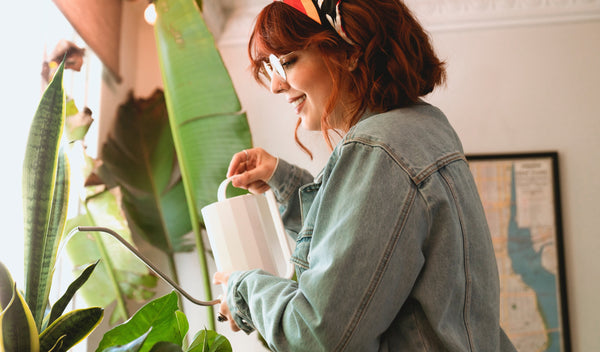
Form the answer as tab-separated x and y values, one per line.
69	329
18	331
209	341
160	315
120	275
160	326
45	195
59	307
45	189
139	157
205	114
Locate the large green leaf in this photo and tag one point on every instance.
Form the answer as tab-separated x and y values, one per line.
70	329
205	115
209	341
139	156
119	274
18	332
39	175
159	315
133	346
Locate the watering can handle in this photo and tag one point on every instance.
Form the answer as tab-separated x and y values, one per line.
279	228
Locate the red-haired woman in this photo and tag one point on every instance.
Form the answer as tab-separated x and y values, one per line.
393	252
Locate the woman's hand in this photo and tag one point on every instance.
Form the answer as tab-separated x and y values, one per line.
251	169
221	278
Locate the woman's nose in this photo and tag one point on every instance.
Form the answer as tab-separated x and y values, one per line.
278	84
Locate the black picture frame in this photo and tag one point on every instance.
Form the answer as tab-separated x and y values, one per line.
534	220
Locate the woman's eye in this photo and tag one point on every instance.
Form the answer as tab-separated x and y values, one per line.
288	63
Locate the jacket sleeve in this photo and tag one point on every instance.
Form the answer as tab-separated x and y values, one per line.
365	234
285	183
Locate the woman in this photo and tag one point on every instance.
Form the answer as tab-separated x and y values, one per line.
392	251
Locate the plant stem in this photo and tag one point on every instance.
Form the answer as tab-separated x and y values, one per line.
206	280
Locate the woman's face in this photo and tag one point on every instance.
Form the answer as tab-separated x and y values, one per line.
307	87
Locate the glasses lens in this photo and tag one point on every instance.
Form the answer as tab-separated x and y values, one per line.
276	66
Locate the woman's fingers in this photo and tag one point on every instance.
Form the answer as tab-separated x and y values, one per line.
221	277
251	169
238	163
226	314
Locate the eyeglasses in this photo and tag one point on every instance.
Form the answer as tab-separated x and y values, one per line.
276	66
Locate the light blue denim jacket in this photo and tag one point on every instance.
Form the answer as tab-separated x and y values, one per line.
393	251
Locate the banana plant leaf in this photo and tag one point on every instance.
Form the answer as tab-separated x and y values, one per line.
43	202
119	275
139	157
70	329
205	115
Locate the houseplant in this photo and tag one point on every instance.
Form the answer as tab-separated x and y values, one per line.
24	324
207	122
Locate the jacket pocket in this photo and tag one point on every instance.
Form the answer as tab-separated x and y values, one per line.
301	255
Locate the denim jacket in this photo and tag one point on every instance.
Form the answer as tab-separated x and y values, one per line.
393	252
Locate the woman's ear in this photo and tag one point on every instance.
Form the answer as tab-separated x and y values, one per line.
352	61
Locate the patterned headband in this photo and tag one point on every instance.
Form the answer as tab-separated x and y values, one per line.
321	11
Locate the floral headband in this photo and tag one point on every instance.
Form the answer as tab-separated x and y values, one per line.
321	11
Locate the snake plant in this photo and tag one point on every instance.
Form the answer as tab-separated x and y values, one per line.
24	326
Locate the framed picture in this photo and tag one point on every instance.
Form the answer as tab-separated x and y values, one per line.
521	199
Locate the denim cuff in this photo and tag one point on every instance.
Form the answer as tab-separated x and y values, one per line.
286	179
237	305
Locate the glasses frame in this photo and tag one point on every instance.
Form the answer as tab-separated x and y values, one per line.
274	65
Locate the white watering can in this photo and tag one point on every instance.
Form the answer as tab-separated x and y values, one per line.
246	232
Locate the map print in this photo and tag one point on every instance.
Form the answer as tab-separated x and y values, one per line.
518	199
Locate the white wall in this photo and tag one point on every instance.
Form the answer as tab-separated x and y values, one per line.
535	88
510	89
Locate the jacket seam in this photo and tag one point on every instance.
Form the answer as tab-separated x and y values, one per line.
466	260
378	274
417	178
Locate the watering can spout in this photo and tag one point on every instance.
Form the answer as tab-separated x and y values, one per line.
149	264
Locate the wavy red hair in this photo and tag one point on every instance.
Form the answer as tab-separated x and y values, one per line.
391	64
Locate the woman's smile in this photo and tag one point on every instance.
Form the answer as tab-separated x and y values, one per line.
296	103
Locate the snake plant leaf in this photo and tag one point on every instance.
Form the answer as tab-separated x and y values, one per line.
160	315
6	286
39	175
59	307
70	329
139	156
119	275
18	331
205	114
